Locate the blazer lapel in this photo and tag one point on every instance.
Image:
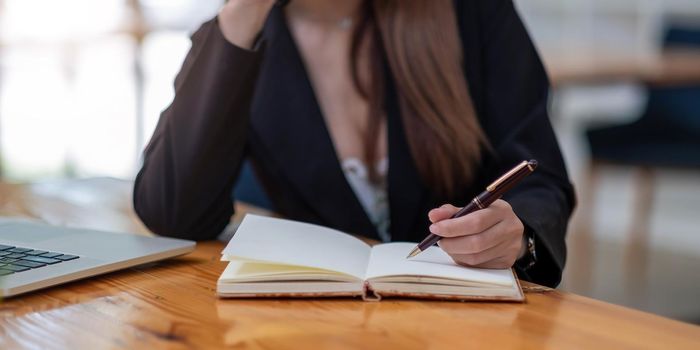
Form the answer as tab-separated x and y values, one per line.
407	193
288	120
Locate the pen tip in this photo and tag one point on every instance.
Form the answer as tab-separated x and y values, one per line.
413	252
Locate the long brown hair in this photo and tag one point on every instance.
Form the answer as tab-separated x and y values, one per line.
419	40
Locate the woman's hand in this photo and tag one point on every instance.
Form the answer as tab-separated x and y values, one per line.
487	238
241	20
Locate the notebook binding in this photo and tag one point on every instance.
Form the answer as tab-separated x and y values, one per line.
368	294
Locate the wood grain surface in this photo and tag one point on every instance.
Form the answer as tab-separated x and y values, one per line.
173	304
678	66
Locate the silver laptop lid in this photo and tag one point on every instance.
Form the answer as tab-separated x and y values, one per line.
42	255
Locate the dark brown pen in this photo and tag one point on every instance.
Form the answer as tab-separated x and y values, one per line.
493	192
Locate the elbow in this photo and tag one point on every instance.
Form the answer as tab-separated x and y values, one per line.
155	218
164	223
166	218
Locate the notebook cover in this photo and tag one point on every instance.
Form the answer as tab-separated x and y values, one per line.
370	295
291	295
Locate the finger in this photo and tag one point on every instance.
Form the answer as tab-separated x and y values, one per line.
481	258
504	231
503	255
508	244
444	212
470	244
470	224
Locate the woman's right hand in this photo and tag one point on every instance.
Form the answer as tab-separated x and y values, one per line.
241	20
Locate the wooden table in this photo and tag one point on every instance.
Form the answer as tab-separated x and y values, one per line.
173	304
669	67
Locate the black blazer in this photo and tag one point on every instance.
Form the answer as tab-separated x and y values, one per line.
231	104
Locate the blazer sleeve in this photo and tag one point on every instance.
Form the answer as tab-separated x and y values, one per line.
184	186
516	121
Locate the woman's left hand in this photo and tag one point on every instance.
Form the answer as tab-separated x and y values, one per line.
487	238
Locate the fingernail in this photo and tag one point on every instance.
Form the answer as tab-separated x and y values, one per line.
433	228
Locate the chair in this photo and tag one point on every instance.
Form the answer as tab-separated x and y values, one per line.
668	132
667	135
249	190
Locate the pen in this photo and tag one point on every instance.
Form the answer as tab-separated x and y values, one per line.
493	192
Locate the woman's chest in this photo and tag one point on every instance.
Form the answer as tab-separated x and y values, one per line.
328	65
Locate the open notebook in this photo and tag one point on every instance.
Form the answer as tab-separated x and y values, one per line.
271	257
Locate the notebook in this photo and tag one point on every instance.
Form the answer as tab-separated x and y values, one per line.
270	257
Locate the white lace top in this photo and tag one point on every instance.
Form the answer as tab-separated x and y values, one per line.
373	197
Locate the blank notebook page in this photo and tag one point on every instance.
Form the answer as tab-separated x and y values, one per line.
389	259
280	241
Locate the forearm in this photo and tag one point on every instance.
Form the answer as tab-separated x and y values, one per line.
184	186
545	210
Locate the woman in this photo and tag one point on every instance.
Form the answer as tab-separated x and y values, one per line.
365	116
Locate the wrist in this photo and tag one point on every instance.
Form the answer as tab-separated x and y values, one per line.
240	21
528	256
523	246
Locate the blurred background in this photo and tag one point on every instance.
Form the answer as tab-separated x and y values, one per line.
82	83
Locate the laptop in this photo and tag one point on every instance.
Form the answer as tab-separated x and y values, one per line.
35	255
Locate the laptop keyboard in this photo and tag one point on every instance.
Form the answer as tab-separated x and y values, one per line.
18	259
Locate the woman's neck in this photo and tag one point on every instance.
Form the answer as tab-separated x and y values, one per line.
325	12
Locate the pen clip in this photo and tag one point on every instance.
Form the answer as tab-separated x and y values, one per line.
492	187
